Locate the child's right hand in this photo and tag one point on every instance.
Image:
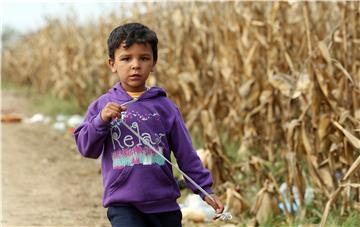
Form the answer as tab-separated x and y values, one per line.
112	110
215	202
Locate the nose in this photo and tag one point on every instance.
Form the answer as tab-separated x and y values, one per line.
136	64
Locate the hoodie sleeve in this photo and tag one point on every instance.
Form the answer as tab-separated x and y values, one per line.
91	134
187	158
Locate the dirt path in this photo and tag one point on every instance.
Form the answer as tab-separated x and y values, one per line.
44	179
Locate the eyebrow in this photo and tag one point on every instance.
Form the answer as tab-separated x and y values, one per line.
129	55
124	55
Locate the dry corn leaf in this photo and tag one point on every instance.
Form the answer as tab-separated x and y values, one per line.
245	89
235	201
353	139
322	82
177	18
326	177
306	141
285	83
324	123
354	166
354	185
303	83
347	74
289	61
266	203
324	51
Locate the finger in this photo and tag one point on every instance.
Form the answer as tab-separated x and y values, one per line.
220	206
115	114
211	201
109	105
118	108
216	204
115	107
220	209
123	108
112	113
105	116
113	104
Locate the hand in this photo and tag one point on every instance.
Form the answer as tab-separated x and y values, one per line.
216	204
111	110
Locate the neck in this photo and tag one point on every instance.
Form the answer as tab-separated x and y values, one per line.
127	89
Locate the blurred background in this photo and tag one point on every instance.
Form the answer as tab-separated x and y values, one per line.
269	91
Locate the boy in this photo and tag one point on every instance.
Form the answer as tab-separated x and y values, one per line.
139	187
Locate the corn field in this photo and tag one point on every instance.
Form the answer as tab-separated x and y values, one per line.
281	79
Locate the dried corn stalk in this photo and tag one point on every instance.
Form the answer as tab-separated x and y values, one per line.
266	203
282	78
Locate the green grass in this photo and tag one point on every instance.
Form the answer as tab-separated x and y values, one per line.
349	220
196	137
47	104
8	86
50	105
230	146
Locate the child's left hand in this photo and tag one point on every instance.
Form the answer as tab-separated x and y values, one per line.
216	204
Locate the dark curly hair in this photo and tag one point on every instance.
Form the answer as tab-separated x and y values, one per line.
132	33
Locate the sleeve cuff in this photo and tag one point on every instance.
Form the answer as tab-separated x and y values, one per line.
208	190
100	124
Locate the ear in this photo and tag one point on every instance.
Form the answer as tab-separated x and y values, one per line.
111	65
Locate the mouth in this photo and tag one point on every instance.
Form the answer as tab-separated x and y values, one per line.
135	76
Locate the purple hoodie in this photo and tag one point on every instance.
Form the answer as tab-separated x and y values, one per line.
133	174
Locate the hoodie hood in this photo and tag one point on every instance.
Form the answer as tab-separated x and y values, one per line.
117	92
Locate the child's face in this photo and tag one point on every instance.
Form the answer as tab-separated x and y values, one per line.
133	65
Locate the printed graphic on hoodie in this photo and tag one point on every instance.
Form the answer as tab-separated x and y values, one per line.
129	150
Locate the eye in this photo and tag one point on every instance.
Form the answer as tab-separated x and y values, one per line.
145	58
125	59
